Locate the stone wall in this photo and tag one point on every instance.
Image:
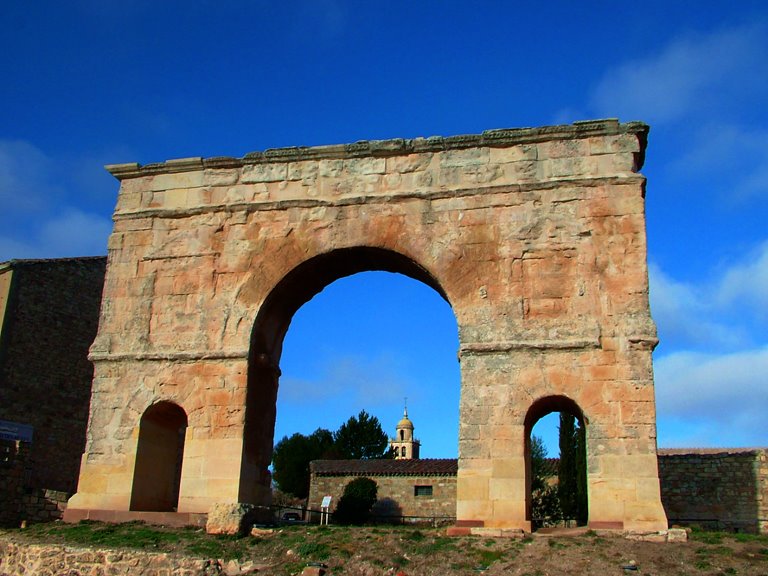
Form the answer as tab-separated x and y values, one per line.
396	496
50	320
13	467
716	488
18	559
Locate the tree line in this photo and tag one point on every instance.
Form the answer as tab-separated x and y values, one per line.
359	438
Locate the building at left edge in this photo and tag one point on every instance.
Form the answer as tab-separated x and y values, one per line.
49	314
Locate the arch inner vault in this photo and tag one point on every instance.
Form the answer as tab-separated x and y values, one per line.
536	238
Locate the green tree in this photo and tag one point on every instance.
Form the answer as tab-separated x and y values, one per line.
291	458
355	504
572	472
566	474
582	506
545	505
361	437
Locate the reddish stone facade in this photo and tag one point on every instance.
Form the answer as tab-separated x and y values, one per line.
536	237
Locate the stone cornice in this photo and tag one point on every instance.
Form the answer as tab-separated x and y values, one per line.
395	147
474	348
265	205
192	356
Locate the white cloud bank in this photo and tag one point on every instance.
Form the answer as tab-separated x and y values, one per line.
713	400
351	380
40	220
691	76
702	87
713	390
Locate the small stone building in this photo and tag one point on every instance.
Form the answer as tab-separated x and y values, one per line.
49	312
408	489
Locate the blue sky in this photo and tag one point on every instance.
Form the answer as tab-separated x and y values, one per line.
91	82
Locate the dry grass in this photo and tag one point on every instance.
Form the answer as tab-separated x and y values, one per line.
425	551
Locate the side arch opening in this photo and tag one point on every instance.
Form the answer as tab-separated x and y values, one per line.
159	457
556	488
272	322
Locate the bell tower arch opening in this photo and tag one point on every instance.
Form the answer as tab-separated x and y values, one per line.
270	328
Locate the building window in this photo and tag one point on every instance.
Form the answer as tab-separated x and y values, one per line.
422	490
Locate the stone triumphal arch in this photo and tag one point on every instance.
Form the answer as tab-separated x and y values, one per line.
536	238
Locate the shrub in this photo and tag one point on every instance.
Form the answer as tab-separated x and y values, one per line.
355	504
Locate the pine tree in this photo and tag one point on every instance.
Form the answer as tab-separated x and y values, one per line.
572	472
566	474
582	511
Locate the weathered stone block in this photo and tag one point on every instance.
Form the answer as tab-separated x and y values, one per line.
230	518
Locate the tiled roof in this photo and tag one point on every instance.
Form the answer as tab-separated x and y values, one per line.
415	467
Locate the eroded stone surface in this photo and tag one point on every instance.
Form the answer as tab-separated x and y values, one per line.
536	237
230	518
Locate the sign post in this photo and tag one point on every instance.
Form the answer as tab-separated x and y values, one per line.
325	509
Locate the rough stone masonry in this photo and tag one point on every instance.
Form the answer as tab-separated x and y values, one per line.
536	238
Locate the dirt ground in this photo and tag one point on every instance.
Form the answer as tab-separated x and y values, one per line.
409	551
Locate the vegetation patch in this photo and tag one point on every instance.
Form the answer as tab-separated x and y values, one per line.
423	551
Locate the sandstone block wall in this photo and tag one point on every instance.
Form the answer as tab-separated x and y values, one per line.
536	237
23	559
716	488
18	502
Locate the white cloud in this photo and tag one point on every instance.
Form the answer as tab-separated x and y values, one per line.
26	177
738	154
686	314
690	76
71	233
41	218
713	400
357	381
75	233
713	389
746	284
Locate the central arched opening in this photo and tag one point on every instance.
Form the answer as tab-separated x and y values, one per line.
269	335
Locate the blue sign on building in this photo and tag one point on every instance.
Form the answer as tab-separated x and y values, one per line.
15	431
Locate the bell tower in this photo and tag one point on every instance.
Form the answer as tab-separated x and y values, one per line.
404	445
